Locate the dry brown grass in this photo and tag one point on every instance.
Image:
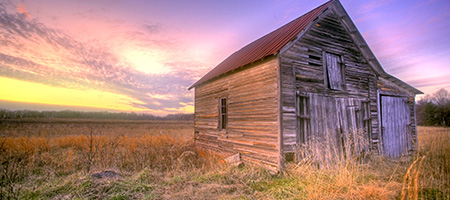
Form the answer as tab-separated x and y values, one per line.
424	175
431	179
35	165
32	151
49	128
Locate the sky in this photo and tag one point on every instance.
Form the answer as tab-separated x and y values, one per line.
142	55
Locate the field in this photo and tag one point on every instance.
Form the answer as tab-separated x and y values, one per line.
61	159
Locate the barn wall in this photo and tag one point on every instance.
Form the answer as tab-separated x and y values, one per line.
302	69
252	96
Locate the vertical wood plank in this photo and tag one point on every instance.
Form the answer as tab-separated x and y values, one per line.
395	118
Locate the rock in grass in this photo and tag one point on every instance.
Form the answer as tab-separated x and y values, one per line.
106	174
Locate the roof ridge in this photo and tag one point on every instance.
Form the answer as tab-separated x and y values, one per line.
284	25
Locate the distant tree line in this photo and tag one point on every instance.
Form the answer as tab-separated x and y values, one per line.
18	114
434	110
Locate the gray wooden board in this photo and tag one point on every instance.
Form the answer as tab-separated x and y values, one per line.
395	119
335	128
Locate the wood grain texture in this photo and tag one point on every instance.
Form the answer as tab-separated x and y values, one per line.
304	69
252	129
395	115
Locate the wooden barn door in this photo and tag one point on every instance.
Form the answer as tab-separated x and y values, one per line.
395	120
329	128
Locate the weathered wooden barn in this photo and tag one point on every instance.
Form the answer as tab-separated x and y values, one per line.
312	82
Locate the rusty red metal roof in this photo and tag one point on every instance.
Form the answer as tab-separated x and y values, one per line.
264	46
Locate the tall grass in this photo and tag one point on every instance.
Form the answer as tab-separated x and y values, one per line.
167	166
424	175
432	176
65	127
31	159
337	168
72	153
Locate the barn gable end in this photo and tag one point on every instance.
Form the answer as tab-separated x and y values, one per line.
305	72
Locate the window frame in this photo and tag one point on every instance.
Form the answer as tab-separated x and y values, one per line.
367	120
223	116
326	70
303	117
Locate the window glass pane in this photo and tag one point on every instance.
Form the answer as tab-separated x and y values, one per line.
224	102
224	121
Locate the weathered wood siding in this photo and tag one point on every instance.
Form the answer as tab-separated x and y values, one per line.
395	120
388	87
302	69
253	112
332	127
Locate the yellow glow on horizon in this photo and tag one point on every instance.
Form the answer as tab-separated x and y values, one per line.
186	109
161	96
29	92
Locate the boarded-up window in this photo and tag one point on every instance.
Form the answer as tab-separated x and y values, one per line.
334	71
303	118
367	120
223	118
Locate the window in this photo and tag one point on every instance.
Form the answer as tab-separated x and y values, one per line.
303	122
367	119
334	71
223	118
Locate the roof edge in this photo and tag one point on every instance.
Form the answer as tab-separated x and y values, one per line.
234	70
230	63
364	46
399	81
357	37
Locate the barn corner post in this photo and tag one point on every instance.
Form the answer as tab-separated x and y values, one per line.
281	157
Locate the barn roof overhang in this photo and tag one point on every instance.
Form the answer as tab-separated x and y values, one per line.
402	83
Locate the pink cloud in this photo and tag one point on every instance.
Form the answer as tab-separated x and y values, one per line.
23	10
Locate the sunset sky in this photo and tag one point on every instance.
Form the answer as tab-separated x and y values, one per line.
142	55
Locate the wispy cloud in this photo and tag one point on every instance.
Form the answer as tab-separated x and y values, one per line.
153	52
152	28
370	6
414	38
31	51
440	81
23	10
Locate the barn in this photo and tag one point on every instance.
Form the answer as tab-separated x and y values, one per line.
311	85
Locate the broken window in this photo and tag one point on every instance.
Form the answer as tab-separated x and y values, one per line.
334	71
223	118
